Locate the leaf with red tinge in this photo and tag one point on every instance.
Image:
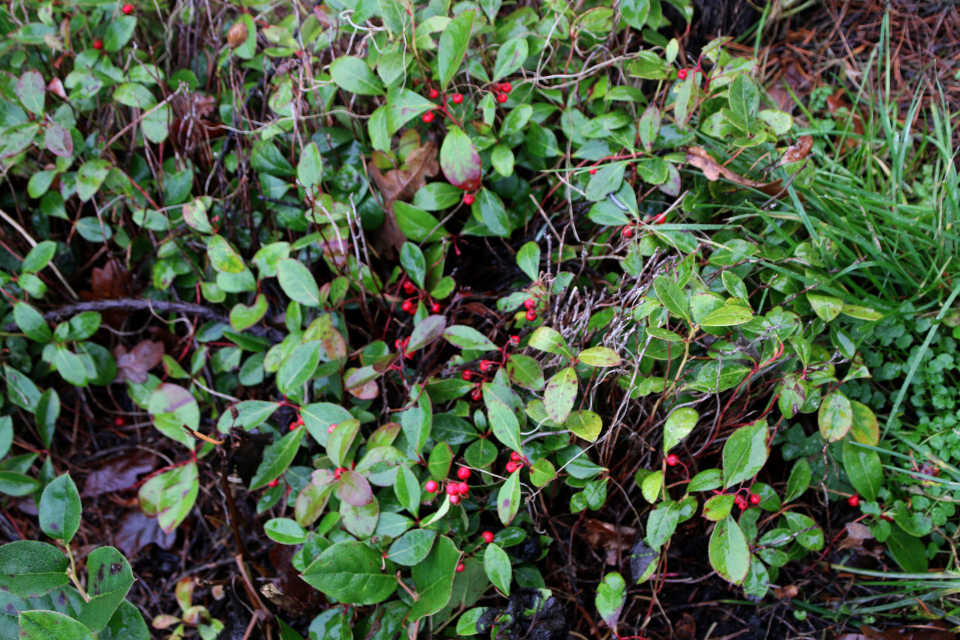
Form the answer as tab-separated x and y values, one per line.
560	395
429	329
58	141
354	489
460	161
135	364
137	531
119	473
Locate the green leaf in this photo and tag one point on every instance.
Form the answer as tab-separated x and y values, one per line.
276	458
585	424
31	89
266	158
528	259
243	316
172	407
17	138
460	161
542	472
865	428
503	160
729	553
418	225
90	176
223	257
453	46
51	625
599	357
31	569
611	594
6	433
864	469
407	489
417	422
745	453
835	417
671	296
468	338
16	484
31	322
496	564
60	509
649	126
413	262
119	31
727	316
549	340
298	283
109	580
706	481
251	413
605	181
412	548
718	507
171	495
353	74
662	523
500	401
310	166
70	366
353	573
827	307
508	498
492	212
678	426
299	366
525	371
744	97
285	531
39	257
511	55
908	551
560	394
426	331
441	456
433	579
799	481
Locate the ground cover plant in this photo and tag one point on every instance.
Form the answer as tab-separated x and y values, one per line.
469	319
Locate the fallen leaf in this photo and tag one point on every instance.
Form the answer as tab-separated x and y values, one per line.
686	628
137	531
797	151
787	593
112	282
56	87
402	184
237	34
713	171
616	541
135	364
118	474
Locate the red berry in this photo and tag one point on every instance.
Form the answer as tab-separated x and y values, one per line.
98	44
741	503
854	501
409	287
454	499
119	421
452	489
273	483
511	467
431	486
660	219
300	420
428	117
501	98
485	365
682	74
463	473
476	394
515	456
463	488
457	98
593	170
127	9
487	536
434	94
407	306
673	460
530	303
294	425
435	307
331	428
627	232
337	473
461	567
468	199
398	343
755	498
467	375
531	315
514	340
506	87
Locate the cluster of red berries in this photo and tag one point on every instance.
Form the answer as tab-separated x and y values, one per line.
456	490
296	424
751	499
338	472
531	306
503	88
516	462
410	304
456	98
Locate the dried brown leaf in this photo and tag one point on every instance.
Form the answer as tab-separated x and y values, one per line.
137	531
237	34
402	184
616	541
713	170
112	282
135	364
798	151
118	474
